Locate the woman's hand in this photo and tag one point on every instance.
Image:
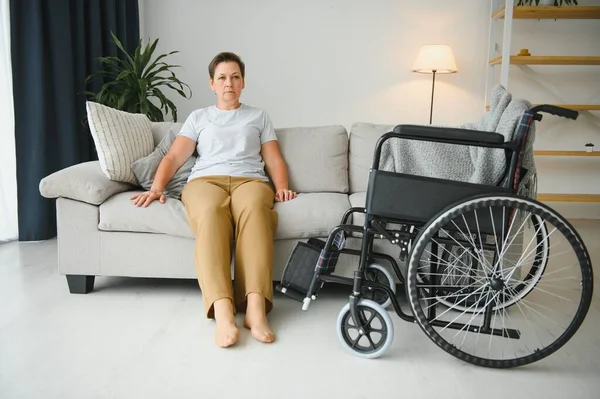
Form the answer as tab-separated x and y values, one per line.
144	199
283	194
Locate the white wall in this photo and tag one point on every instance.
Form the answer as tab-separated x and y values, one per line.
316	62
319	62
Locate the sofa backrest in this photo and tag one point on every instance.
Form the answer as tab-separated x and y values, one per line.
316	157
160	130
363	137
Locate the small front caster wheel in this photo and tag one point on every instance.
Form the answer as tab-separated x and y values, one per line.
378	331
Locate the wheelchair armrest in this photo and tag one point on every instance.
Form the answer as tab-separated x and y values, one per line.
449	135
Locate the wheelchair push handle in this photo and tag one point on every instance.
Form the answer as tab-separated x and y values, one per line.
554	110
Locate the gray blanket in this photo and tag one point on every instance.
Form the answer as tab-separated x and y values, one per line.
464	163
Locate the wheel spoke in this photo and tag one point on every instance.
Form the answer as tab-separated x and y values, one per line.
370	341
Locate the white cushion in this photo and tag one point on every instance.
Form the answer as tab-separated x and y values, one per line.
308	215
316	157
120	139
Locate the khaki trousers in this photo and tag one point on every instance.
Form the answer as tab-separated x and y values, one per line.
219	208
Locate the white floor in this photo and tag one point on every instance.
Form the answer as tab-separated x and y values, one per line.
139	338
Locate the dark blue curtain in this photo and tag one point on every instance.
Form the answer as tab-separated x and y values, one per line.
54	48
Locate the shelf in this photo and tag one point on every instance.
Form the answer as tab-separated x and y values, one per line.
566	153
575	107
551	12
568	197
548	60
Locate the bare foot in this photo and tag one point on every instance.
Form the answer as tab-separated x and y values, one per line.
256	319
226	333
260	329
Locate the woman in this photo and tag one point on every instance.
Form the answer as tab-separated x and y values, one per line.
228	196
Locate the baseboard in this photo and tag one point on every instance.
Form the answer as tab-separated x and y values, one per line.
576	210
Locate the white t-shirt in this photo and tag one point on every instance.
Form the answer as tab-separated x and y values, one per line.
229	141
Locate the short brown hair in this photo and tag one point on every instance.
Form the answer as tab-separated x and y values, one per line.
225	57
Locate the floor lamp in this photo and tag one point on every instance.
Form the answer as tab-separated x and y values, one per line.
435	58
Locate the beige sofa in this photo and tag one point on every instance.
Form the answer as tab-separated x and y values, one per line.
101	233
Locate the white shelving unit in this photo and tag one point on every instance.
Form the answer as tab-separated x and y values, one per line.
499	56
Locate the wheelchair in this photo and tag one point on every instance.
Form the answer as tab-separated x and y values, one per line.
493	277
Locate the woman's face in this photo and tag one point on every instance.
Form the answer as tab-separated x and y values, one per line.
228	82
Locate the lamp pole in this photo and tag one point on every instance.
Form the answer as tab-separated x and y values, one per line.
432	89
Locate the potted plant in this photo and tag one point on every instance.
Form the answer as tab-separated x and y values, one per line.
589	147
547	2
131	82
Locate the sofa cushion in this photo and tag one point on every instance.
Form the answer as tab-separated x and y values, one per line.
316	157
83	182
120	138
118	213
310	214
145	168
358	200
363	137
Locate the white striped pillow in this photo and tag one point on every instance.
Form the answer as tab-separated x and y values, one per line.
121	138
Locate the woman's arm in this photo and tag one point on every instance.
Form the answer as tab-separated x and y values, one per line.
181	149
277	169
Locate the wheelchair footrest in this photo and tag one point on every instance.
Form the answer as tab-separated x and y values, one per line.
291	292
305	260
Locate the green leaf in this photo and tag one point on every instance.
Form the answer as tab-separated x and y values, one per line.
154	74
173	109
180	92
124	74
120	47
144	105
147	55
155	63
121	102
155	114
143	85
137	66
161	96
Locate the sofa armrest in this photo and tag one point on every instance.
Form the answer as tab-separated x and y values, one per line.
82	182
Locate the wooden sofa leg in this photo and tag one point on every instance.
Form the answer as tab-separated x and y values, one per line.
80	284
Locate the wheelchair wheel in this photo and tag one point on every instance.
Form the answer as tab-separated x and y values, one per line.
379	274
460	268
379	330
505	259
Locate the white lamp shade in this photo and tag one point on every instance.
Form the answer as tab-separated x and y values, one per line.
435	57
